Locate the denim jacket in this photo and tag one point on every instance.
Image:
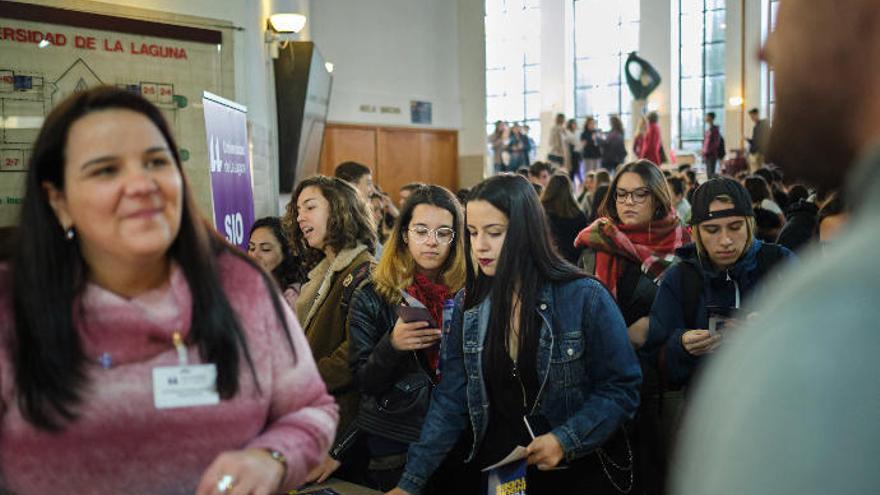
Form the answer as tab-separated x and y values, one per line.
588	373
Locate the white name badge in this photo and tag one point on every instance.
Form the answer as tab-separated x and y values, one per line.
185	386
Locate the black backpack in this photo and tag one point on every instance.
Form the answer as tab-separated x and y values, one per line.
692	280
722	147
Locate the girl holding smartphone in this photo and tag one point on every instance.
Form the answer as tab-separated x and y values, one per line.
395	363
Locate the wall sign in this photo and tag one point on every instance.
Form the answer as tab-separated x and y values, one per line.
48	53
231	187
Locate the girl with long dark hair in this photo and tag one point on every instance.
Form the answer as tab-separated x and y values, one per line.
590	140
531	336
115	287
268	245
564	216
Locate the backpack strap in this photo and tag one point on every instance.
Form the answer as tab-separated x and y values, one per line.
691	290
355	279
768	256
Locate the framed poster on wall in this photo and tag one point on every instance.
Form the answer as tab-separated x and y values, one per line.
54	49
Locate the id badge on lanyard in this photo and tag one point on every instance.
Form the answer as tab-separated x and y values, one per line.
184	385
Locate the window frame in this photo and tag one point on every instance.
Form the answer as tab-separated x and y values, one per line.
704	77
625	114
523	118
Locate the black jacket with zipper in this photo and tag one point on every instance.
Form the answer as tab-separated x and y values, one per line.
395	386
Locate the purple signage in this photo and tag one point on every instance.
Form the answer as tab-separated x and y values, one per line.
226	127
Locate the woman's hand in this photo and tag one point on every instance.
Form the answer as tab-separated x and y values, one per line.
397	491
413	336
323	471
545	451
638	332
242	472
699	342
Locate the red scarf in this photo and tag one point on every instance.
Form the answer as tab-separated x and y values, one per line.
432	296
652	247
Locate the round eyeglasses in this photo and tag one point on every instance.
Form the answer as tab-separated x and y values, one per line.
443	235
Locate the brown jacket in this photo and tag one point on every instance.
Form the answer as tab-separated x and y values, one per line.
318	310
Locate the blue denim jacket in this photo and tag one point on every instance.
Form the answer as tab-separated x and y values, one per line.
588	373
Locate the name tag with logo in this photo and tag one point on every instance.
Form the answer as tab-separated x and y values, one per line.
185	386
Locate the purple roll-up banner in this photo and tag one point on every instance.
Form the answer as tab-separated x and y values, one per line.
231	188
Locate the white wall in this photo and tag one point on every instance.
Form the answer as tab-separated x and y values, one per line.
389	53
472	88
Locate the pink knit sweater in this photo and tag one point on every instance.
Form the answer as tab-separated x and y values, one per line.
121	443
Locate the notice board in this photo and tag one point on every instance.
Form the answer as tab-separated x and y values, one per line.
48	52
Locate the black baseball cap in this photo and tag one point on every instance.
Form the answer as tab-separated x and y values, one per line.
720	186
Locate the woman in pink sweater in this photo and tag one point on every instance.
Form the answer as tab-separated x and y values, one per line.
140	353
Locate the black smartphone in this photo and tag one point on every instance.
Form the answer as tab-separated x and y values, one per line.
411	314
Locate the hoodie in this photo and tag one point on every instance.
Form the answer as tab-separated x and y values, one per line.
723	289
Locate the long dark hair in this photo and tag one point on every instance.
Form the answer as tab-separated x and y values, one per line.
617	125
48	272
758	188
558	200
528	260
290	270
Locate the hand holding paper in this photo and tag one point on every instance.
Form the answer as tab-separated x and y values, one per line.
545	452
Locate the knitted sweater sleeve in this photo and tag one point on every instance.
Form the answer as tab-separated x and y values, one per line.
303	416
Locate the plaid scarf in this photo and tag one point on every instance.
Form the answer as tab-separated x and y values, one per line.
652	247
432	296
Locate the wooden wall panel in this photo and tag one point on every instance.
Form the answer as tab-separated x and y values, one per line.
344	143
397	155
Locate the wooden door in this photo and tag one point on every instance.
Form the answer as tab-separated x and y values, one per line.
396	155
348	143
416	155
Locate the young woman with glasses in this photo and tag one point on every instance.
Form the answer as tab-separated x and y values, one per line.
628	248
395	363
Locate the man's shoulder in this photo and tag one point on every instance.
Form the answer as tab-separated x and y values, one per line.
839	281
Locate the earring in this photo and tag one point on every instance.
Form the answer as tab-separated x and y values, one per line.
70	233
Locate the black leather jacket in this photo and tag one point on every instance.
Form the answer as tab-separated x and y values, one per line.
395	386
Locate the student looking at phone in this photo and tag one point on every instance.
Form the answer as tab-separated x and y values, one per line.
394	362
531	334
717	272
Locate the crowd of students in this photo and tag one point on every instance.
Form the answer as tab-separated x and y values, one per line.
592	310
574	320
424	408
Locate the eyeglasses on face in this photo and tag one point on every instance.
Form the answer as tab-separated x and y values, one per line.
443	235
638	196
